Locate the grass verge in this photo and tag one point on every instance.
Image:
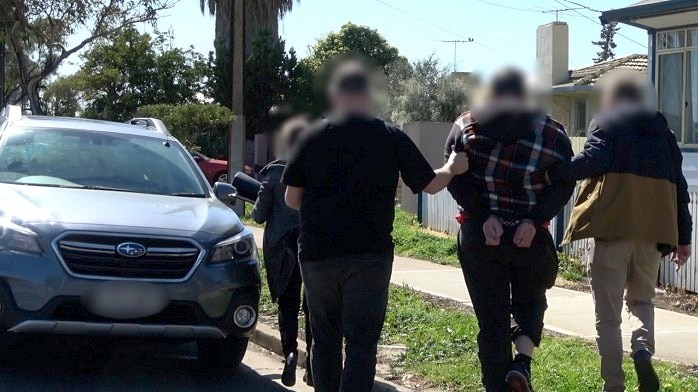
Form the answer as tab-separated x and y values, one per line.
442	349
411	240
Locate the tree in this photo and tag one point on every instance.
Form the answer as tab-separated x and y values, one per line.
199	127
606	43
38	32
431	93
130	70
352	39
273	76
61	97
260	15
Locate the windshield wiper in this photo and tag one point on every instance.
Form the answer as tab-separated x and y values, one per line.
107	188
185	194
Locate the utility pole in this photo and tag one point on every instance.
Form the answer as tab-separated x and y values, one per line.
2	71
236	135
455	43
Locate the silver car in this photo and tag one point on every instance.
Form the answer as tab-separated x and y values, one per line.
111	229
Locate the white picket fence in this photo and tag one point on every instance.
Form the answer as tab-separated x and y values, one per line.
438	212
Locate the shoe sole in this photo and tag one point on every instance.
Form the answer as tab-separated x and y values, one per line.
517	382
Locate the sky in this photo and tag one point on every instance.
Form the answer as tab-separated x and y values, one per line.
504	31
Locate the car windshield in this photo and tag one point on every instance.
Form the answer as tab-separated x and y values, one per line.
97	160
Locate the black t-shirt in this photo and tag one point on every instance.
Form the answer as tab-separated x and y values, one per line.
349	171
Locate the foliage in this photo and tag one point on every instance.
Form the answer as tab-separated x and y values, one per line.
352	39
38	32
441	347
606	43
272	76
571	268
131	70
411	240
61	97
430	93
200	127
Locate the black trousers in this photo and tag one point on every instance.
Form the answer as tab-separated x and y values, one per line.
290	304
505	281
347	298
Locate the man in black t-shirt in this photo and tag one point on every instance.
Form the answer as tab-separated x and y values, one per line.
343	180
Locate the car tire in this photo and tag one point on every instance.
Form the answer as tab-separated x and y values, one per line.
226	353
221	177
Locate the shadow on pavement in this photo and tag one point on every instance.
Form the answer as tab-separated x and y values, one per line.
49	363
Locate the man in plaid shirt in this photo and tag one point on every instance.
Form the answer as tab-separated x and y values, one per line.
507	254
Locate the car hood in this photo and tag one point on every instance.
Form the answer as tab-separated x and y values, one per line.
35	205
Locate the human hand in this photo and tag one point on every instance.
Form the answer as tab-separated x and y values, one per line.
681	255
524	234
493	231
457	163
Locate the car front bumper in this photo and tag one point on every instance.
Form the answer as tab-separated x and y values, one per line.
38	295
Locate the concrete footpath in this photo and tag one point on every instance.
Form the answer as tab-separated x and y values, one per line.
569	312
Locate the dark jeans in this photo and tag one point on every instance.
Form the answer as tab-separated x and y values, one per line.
289	304
347	298
505	281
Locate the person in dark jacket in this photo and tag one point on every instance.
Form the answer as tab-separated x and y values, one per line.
281	251
343	179
634	203
506	252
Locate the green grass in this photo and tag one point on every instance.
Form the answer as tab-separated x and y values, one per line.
441	348
411	240
247	218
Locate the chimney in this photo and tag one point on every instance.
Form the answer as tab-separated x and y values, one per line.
552	53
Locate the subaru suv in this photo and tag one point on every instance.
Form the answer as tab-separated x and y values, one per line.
111	229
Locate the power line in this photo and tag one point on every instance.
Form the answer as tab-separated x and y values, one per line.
435	25
599	23
509	7
586	7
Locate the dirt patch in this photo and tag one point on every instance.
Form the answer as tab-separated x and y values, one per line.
388	355
668	298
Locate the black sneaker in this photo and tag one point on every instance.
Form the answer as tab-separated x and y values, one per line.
288	377
646	376
519	377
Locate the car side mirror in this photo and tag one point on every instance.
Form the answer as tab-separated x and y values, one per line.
225	192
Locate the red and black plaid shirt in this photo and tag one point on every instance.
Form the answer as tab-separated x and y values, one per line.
512	170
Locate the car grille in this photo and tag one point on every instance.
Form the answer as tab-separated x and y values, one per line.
95	255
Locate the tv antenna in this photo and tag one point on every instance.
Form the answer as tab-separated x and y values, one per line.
558	10
455	43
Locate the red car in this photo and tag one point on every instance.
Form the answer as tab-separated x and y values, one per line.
215	170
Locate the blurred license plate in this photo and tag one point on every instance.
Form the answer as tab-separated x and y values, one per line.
125	300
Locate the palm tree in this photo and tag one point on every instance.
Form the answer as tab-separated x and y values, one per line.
259	15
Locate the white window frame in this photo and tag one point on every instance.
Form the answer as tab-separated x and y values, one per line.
685	50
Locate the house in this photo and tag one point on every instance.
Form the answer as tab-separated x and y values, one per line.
573	101
575	95
672	31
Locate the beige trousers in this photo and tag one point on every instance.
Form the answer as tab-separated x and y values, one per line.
619	267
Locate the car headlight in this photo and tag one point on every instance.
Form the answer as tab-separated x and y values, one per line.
237	248
18	238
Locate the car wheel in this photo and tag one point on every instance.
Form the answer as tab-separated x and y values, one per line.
226	353
221	177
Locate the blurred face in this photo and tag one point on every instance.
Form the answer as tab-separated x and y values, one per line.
351	103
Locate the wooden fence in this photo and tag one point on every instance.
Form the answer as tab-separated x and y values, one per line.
438	212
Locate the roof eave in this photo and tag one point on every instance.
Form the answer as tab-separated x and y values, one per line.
572	89
628	15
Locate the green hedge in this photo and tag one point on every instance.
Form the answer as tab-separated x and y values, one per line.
200	127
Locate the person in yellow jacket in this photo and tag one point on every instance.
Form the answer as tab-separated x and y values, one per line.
634	204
